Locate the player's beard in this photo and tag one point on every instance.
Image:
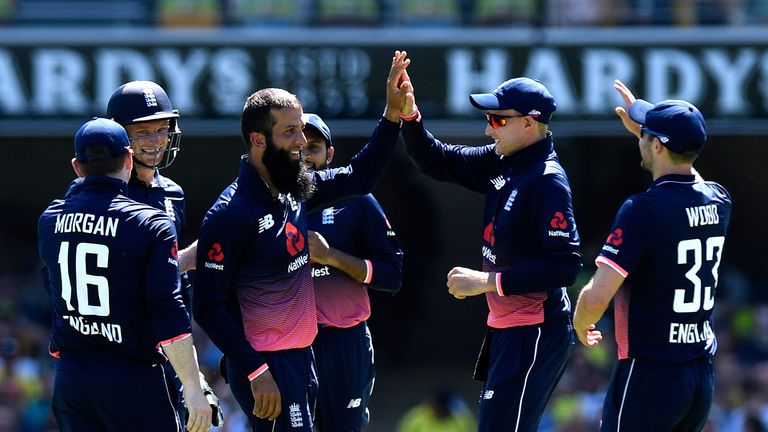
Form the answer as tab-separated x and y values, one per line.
289	176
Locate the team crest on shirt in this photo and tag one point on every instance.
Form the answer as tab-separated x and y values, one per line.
328	216
169	209
559	225
510	200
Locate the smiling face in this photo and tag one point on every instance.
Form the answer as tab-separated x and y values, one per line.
149	140
514	134
316	154
282	154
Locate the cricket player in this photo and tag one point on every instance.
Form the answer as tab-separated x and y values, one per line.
530	246
352	248
111	268
253	293
660	262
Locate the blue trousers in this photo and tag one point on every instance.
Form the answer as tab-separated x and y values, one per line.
296	377
346	372
524	365
648	395
100	394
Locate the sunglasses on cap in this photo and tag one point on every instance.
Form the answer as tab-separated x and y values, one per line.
497	120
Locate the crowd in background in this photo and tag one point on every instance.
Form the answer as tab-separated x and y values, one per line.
388	13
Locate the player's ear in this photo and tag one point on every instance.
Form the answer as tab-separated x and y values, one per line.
257	140
329	155
76	167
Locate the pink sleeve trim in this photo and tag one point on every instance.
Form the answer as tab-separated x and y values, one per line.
498	284
610	263
172	340
416	115
368	272
255	374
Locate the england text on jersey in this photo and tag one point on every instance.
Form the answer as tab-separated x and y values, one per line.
86	223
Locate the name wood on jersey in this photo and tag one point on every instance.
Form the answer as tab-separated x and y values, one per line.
85	223
702	215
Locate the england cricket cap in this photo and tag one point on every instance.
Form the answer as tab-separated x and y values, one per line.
319	125
676	123
100	131
524	95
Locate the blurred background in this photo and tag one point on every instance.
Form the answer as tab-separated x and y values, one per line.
61	59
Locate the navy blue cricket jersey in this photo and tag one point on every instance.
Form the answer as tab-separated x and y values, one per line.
667	242
253	287
359	228
529	232
112	273
163	194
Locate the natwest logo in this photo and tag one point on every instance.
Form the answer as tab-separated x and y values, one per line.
488	234
215	253
616	238
558	221
294	241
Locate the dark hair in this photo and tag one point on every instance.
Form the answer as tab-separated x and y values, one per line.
102	166
687	157
257	112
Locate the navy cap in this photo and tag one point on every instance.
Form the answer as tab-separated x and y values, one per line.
101	131
524	95
319	125
678	124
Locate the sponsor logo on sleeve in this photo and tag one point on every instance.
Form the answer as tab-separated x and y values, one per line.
614	240
215	257
491	240
559	225
174	255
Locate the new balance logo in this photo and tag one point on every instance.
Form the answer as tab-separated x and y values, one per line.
488	394
266	223
498	182
354	403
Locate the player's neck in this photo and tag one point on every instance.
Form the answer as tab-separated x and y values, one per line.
145	175
679	169
258	165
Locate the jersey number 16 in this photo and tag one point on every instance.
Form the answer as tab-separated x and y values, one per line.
83	279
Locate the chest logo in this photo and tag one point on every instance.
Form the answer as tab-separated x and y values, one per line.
266	223
328	216
294	239
499	182
510	200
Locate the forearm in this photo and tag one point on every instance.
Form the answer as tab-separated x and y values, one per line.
187	258
356	268
589	308
181	354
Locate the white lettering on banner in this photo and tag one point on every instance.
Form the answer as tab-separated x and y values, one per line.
603	66
231	80
667	66
463	80
12	100
58	77
731	76
329	80
547	66
54	80
115	66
